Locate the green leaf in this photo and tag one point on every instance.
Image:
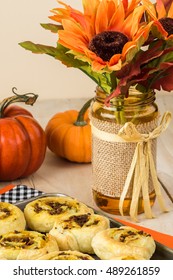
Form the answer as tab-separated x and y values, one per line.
168	57
113	80
38	49
60	52
107	81
104	80
52	27
165	57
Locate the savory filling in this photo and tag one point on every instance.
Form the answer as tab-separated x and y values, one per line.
68	256
22	240
83	220
126	236
54	207
4	213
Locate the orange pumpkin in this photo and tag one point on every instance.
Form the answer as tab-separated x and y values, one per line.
22	139
69	135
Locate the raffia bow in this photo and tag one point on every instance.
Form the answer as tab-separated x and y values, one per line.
141	166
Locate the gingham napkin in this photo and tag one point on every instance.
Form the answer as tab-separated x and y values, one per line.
15	193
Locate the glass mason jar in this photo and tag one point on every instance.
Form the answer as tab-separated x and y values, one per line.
111	161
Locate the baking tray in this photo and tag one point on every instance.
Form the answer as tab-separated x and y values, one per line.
161	253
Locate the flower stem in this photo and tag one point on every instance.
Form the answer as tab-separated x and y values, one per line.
27	98
80	118
120	114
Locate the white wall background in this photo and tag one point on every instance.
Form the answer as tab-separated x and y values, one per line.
20	21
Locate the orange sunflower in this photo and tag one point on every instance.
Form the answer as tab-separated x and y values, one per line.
162	14
106	35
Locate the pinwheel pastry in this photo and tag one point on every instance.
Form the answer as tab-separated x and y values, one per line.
41	213
76	231
124	243
11	218
66	255
26	245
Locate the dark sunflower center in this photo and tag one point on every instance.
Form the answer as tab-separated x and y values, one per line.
108	43
167	24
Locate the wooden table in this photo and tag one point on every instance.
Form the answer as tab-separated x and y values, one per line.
60	176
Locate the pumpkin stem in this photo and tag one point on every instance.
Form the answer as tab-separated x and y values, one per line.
80	118
27	98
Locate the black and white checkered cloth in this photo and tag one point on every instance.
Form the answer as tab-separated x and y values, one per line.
19	193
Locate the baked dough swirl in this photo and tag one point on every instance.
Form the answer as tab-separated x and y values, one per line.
124	243
76	231
11	218
41	213
66	255
26	245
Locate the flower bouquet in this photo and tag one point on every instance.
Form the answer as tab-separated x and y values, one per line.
116	43
121	45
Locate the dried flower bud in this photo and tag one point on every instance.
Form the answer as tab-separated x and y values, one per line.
167	24
108	43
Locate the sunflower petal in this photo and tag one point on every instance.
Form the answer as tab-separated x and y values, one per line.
101	22
131	6
125	4
129	27
150	9
117	19
142	35
115	62
60	13
158	30
112	8
68	13
72	32
136	17
167	4
129	51
90	10
69	41
170	12
90	7
160	8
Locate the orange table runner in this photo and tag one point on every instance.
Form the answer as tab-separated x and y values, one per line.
7	188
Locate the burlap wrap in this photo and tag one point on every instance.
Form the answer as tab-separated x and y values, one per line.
111	161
